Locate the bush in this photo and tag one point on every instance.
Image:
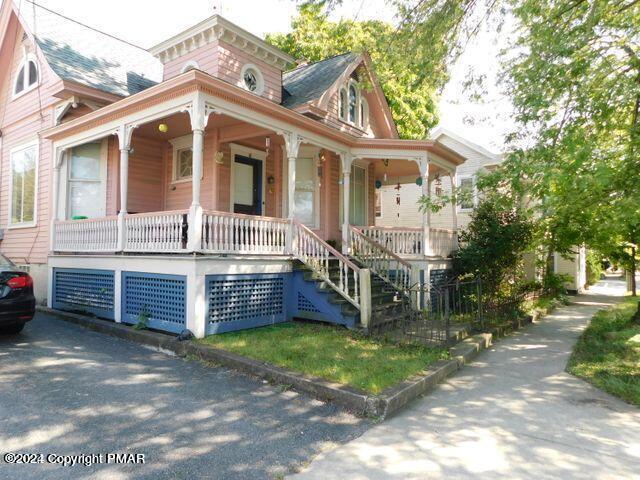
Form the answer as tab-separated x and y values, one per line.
595	267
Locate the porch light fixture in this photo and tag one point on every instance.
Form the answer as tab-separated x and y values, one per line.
163	127
219	157
267	142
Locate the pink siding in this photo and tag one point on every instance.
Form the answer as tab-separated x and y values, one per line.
206	57
230	63
20	121
146	176
113	177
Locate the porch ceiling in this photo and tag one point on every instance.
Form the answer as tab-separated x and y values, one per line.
402	168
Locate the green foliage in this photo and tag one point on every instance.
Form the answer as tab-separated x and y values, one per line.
410	75
553	285
143	319
331	353
607	356
594	267
493	244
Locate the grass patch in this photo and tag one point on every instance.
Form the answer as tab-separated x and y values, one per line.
332	353
605	357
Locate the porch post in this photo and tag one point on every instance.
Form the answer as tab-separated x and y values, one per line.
124	134
291	148
347	160
199	113
426	215
55	189
454	209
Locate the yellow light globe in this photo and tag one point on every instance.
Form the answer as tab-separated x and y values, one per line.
163	127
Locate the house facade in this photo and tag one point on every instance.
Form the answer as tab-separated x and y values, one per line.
207	184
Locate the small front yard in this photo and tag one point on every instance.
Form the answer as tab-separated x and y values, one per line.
332	353
608	353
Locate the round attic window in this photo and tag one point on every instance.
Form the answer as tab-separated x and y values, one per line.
252	79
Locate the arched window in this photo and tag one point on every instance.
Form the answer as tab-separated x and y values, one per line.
190	65
27	77
364	113
342	104
353	103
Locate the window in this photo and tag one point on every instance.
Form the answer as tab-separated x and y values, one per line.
23	185
85	181
251	79
378	203
342	104
190	65
27	77
466	185
353	102
364	113
358	194
182	158
306	191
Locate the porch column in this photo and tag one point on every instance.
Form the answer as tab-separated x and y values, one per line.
347	160
454	209
199	113
124	134
55	189
426	214
291	148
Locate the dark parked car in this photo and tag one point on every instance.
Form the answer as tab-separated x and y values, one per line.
17	303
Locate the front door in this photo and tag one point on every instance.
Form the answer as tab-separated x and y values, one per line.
247	185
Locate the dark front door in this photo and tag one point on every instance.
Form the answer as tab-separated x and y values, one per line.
247	185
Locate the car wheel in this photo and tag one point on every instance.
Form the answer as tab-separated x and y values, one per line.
12	329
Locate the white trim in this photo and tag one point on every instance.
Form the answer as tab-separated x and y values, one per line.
255	155
29	57
190	65
212	29
259	78
473	193
363	111
25	146
177	144
104	154
440	131
342	106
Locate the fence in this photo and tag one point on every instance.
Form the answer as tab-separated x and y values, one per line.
448	309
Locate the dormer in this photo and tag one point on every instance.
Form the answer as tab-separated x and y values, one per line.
222	49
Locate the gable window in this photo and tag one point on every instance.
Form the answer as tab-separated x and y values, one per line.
364	113
182	158
251	79
23	185
353	103
466	184
27	76
342	104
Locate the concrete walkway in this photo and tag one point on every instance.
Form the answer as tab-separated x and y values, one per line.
513	413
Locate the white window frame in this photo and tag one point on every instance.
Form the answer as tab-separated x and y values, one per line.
343	105
32	144
190	65
364	165
363	111
255	155
356	87
305	151
259	77
29	57
473	193
177	144
65	191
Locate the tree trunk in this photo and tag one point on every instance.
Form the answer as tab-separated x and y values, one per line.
634	291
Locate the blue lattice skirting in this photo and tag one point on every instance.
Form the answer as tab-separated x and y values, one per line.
159	298
84	290
236	302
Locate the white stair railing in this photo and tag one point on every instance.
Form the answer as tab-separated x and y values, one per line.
380	260
224	232
443	242
92	235
400	240
157	232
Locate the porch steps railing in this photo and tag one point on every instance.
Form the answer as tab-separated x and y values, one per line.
409	241
382	261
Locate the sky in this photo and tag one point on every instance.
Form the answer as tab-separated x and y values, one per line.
148	22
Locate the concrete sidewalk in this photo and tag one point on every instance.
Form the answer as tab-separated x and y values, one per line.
513	413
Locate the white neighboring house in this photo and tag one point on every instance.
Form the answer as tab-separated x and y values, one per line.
398	207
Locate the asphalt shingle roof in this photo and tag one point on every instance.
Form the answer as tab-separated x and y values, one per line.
308	83
89	57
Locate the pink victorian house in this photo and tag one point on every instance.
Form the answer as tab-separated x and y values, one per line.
207	183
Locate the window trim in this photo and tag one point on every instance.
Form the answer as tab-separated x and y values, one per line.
260	155
177	144
29	57
34	223
343	103
259	77
364	112
65	191
190	65
473	193
353	84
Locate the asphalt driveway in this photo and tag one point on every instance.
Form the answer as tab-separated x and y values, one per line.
69	391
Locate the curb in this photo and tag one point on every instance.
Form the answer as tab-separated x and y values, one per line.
357	401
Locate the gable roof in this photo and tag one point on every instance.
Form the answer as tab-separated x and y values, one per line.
440	131
81	54
309	82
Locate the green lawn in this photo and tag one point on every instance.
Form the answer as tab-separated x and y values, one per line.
604	355
332	353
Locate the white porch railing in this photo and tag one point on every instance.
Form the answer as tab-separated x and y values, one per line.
380	260
408	241
156	232
93	235
234	233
